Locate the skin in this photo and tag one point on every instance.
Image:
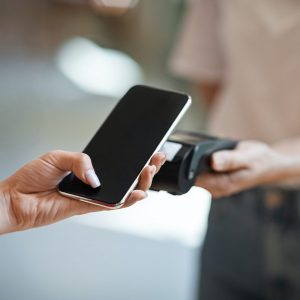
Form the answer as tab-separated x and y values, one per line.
111	10
208	92
29	198
251	164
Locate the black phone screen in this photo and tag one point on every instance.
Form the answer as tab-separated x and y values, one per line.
126	141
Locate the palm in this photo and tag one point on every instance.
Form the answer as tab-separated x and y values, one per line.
36	201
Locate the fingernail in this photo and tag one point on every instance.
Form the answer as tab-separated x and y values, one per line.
92	178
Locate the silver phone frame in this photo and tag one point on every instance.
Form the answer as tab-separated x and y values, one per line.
132	187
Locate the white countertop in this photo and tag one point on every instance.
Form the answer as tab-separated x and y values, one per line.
160	217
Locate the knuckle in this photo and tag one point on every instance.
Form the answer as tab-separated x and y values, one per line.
83	158
51	155
55	152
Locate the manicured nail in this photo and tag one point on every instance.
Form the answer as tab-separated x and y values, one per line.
92	178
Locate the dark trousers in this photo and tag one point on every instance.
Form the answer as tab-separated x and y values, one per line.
252	247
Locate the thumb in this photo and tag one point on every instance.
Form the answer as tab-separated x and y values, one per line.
79	163
228	160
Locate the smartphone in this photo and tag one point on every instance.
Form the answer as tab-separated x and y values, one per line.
133	132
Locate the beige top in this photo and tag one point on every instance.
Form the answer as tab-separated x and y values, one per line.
253	46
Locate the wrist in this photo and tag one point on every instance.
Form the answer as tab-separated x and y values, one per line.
6	215
288	164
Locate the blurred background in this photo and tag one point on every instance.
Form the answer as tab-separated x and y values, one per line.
63	66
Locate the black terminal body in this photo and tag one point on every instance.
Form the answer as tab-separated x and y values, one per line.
192	158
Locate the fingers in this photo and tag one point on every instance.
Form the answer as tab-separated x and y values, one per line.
229	160
79	163
134	197
146	178
140	193
225	184
148	173
246	153
217	185
158	160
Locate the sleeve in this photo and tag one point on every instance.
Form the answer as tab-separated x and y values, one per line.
198	53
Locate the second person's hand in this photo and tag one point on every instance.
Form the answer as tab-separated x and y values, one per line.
251	164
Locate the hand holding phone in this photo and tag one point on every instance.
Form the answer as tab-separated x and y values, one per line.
29	197
134	131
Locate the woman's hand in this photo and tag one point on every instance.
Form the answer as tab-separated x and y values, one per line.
250	164
29	198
